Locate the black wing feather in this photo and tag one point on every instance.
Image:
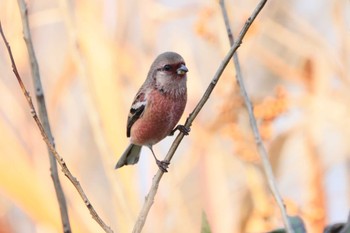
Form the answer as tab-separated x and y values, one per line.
134	116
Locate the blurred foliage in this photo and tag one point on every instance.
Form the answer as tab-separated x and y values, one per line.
94	55
297	225
205	224
338	227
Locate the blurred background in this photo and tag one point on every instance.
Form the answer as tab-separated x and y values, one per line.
94	55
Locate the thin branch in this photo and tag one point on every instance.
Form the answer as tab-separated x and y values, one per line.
39	93
59	159
155	183
260	146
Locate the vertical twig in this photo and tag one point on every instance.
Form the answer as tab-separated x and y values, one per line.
39	93
260	146
59	159
156	179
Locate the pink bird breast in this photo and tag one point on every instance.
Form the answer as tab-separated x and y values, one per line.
162	113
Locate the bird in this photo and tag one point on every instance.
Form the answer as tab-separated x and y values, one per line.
157	108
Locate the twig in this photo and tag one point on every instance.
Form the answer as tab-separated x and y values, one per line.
155	183
39	93
59	159
262	151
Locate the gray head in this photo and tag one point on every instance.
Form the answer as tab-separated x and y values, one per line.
169	73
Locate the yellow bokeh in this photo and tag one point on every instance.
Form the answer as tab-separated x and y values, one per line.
93	56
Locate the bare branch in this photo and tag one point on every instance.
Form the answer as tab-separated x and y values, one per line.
156	179
262	151
39	93
51	147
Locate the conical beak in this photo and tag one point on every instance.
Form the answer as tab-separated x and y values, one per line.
182	70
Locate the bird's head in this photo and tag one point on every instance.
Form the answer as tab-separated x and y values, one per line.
169	73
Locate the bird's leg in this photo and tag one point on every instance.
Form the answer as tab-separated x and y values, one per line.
182	129
163	165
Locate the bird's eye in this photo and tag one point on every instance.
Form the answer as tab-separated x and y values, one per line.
167	67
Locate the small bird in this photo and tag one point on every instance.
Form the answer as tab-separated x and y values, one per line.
157	108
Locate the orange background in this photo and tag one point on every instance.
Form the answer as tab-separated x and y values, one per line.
94	55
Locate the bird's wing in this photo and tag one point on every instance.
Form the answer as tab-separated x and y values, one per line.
136	110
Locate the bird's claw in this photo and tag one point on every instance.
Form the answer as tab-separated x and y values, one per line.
183	129
163	165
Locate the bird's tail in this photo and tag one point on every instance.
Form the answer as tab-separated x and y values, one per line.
130	156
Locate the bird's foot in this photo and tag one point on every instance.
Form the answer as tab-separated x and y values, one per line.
163	165
182	129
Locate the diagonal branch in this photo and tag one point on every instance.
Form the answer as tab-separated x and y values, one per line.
39	93
262	150
51	147
155	183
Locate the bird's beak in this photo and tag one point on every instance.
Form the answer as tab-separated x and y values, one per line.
182	70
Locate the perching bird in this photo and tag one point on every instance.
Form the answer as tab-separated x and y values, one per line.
157	108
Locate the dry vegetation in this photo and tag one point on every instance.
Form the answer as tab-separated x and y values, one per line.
94	55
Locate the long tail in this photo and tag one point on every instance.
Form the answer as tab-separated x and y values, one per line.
130	156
